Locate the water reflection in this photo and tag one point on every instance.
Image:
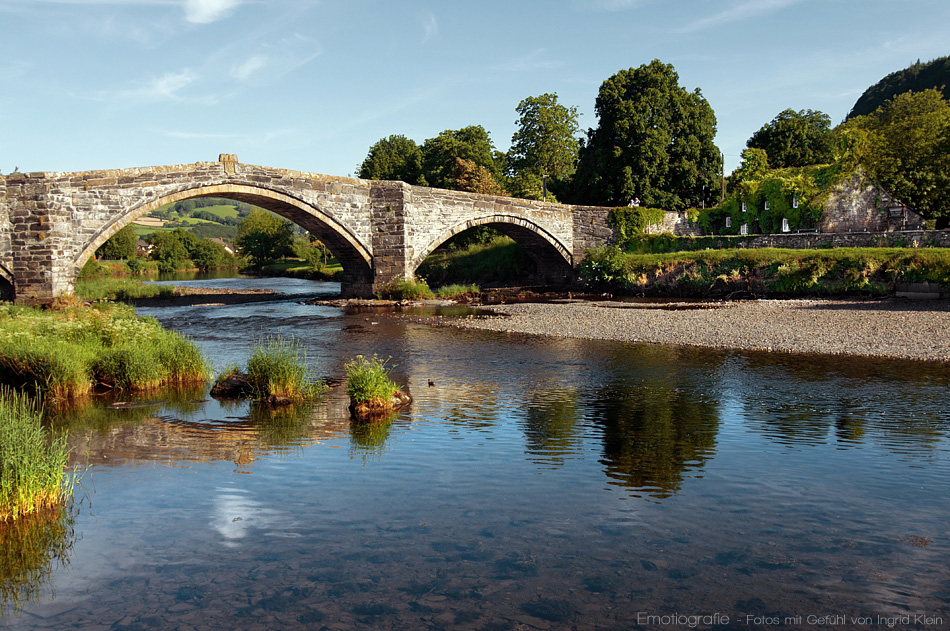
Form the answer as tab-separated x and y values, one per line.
550	425
31	548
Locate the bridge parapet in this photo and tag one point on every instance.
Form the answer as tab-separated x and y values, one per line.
380	231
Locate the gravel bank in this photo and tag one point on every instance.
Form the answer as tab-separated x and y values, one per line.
892	328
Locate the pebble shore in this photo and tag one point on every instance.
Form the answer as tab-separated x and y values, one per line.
891	328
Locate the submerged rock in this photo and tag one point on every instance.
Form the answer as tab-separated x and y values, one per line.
379	409
234	386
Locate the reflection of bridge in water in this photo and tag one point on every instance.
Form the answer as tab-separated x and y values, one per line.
52	223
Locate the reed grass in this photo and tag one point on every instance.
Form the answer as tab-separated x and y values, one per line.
67	353
406	289
456	290
32	464
278	367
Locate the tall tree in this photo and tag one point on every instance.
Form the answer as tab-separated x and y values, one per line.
264	236
393	158
121	245
796	139
910	150
469	143
654	141
915	78
545	143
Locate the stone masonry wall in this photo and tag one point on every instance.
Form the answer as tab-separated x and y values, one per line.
433	215
860	205
6	253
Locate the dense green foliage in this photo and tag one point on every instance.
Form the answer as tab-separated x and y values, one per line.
907	149
765	271
265	237
32	475
630	221
368	380
796	139
654	141
393	158
173	248
120	246
123	289
439	155
545	143
915	78
456	290
497	261
67	353
279	367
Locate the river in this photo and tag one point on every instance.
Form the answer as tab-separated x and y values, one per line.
534	483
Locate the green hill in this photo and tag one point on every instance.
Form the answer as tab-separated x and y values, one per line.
916	78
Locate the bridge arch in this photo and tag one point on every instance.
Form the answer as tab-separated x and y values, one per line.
354	256
553	259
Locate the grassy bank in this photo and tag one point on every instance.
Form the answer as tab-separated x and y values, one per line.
67	353
765	272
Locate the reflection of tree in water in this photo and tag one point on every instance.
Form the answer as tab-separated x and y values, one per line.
653	434
30	549
550	425
817	400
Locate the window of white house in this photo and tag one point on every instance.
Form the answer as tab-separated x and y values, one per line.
794	201
744	229
766	204
785	227
728	221
743	206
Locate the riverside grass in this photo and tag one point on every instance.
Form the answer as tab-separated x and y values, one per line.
773	272
64	354
32	465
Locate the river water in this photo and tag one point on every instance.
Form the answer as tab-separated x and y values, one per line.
534	483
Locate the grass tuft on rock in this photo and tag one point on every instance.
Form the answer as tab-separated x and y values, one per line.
406	289
32	464
277	367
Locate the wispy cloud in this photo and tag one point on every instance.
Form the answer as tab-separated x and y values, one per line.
14	69
243	138
737	13
609	5
246	69
206	11
274	60
532	61
430	26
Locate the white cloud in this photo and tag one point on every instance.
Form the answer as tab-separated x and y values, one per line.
207	11
165	87
744	11
430	26
608	5
246	70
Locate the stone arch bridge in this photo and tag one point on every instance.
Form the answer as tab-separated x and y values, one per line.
52	223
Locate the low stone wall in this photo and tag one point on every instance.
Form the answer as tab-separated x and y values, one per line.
808	240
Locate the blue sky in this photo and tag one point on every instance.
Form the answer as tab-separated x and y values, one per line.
312	84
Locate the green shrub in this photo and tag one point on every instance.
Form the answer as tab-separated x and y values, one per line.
500	260
406	289
32	475
368	380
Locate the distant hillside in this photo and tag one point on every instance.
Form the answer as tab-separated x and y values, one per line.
918	77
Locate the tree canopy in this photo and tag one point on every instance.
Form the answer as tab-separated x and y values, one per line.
545	143
469	143
120	246
915	78
265	237
654	141
908	150
796	139
393	158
